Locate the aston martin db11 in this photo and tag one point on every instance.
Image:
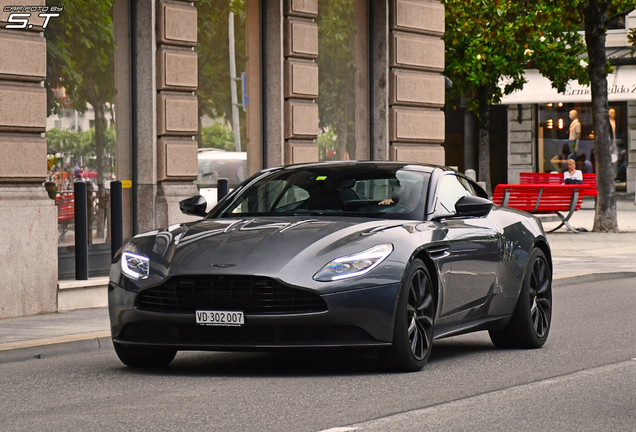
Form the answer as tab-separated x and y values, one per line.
368	255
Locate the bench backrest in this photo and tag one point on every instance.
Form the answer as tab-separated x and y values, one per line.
66	207
589	180
538	198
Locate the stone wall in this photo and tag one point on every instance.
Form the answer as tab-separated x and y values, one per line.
416	86
521	139
165	81
28	218
300	78
177	108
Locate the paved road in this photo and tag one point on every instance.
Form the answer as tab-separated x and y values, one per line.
583	379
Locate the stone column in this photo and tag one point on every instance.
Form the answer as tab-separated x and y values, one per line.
177	108
521	127
379	91
300	81
28	218
165	85
416	86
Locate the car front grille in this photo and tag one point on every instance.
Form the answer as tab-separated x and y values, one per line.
250	294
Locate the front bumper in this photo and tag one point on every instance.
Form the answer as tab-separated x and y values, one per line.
356	318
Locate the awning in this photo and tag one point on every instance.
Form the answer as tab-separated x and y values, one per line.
621	86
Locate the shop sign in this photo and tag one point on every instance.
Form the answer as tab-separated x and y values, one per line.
621	86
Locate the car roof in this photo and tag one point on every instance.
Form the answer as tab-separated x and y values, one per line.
411	166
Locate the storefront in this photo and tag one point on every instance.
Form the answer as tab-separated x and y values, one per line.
548	127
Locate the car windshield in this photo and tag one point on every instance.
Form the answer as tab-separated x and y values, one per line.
344	190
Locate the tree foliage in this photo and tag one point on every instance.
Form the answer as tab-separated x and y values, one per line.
337	69
71	142
218	135
493	40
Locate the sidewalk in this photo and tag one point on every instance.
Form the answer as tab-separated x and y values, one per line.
578	258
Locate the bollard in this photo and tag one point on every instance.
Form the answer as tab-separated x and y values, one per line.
471	174
222	188
116	217
81	232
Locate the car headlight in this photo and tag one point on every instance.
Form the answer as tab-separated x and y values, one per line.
135	266
354	265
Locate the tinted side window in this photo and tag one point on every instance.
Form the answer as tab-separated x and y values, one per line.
450	190
474	188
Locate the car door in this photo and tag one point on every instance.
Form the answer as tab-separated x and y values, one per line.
474	248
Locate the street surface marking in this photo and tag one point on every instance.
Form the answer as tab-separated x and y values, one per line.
384	423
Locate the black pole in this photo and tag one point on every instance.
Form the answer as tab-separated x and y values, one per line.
222	188
81	232
116	217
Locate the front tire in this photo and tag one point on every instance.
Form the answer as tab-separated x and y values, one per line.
144	357
529	325
414	321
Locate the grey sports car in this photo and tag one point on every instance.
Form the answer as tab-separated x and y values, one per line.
369	255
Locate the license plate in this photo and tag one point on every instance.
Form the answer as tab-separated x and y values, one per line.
220	318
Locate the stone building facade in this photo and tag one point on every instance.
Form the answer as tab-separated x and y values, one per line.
399	93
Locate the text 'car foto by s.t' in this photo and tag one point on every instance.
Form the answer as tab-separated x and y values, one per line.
20	16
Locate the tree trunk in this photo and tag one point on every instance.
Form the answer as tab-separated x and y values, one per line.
484	96
595	29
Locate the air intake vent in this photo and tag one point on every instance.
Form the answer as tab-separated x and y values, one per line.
250	294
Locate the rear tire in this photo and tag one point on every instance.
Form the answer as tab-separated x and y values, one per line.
144	357
414	321
529	325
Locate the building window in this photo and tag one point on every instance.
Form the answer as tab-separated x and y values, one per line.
229	129
566	131
80	85
343	75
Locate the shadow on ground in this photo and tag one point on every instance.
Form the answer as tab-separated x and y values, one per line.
299	363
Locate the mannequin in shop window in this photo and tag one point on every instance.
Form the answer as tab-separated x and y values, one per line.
575	132
612	120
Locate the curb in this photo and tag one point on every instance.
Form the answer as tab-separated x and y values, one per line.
55	347
592	277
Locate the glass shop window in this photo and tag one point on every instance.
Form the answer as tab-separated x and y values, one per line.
228	50
81	112
343	75
566	131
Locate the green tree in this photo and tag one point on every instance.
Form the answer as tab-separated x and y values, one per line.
337	69
598	15
490	42
80	60
218	135
213	91
71	142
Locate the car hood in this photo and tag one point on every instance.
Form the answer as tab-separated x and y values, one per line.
287	248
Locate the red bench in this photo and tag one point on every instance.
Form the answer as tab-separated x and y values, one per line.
589	181
65	203
541	199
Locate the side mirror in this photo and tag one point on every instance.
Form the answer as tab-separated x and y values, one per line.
194	206
473	206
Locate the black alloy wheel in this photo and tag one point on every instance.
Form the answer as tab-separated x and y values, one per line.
144	357
414	322
530	322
